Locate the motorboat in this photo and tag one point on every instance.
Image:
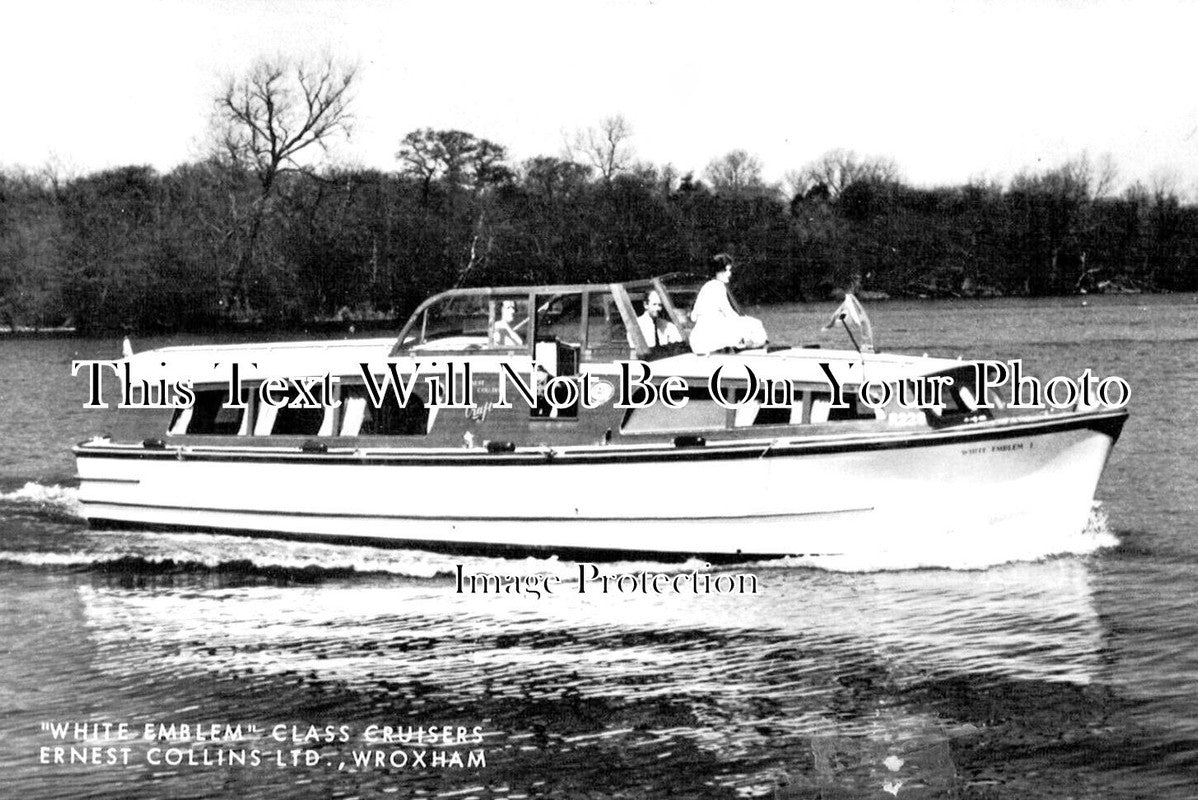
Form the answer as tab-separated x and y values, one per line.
552	419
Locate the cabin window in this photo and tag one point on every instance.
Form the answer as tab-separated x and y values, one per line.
854	410
508	321
953	405
665	333
474	322
455	322
294	421
288	420
773	416
959	402
559	318
361	418
208	416
683	289
605	326
701	413
785	406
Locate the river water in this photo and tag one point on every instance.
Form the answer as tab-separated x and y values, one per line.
1067	671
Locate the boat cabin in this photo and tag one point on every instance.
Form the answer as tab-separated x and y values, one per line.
584	345
589	323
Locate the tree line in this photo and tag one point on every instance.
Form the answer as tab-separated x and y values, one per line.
255	233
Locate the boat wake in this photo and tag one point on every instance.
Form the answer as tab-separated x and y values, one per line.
1022	543
55	501
238	558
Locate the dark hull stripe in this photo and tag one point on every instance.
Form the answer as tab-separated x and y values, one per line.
485	549
1110	424
464	519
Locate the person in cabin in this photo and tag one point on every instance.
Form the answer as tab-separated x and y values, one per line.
502	332
718	325
656	329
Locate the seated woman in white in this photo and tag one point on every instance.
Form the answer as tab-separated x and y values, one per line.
717	324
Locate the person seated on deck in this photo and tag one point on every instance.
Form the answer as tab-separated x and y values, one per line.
717	324
502	332
656	329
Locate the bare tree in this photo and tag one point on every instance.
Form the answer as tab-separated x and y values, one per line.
280	109
1096	178
267	118
605	147
736	172
796	183
836	170
1163	182
57	172
1106	175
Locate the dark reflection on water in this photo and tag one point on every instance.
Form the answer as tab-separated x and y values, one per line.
1070	676
931	682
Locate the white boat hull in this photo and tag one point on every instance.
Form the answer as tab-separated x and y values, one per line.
733	499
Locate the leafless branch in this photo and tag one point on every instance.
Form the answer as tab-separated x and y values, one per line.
605	147
279	110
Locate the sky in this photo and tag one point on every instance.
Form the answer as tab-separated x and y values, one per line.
951	91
